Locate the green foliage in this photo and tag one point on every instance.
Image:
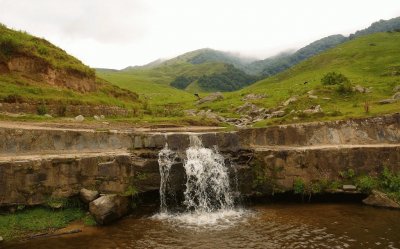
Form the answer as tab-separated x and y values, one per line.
41	109
333	78
348	175
181	82
366	183
390	181
229	80
37	219
88	220
131	191
299	187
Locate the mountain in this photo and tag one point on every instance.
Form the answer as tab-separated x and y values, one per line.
370	65
380	26
33	71
202	70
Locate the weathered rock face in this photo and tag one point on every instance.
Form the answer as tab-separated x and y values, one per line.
379	199
32	66
109	208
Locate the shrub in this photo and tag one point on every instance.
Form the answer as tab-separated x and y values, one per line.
390	181
344	88
366	183
41	109
61	110
299	187
334	78
13	98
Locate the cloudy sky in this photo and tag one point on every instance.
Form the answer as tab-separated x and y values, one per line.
119	33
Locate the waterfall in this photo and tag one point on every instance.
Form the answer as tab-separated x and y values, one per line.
208	197
166	158
207	179
207	184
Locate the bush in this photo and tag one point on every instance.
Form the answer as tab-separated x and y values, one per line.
345	88
13	98
366	183
41	109
390	181
299	187
334	78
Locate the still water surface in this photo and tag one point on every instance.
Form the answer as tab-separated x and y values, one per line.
263	226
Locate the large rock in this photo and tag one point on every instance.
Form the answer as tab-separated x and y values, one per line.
87	195
313	109
361	89
396	95
79	118
289	101
211	98
396	89
379	199
109	208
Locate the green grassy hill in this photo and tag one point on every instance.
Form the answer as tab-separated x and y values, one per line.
203	70
371	61
32	70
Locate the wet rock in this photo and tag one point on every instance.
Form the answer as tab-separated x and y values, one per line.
349	188
254	96
386	101
289	101
396	95
87	195
211	98
313	109
109	208
79	118
379	199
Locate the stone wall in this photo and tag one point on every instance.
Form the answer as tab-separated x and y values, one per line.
39	163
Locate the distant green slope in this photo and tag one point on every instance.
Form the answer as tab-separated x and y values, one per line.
370	61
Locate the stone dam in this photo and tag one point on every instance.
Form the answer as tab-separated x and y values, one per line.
38	162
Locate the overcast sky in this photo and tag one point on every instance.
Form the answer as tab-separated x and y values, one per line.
120	33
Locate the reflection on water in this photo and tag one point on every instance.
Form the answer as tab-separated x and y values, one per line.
267	226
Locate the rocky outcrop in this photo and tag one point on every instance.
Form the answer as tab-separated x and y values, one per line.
379	199
211	98
30	66
87	195
109	208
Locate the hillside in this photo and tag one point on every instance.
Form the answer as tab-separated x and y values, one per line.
36	74
370	62
203	70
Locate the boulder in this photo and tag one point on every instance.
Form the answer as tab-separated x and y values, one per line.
289	101
349	188
254	96
87	195
396	95
109	208
379	199
313	109
211	98
312	97
96	117
396	88
277	114
361	89
386	101
190	112
102	117
79	118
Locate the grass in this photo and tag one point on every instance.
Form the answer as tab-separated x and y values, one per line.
375	66
39	219
14	43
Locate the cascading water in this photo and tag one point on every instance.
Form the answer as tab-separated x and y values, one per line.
207	185
166	158
208	197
